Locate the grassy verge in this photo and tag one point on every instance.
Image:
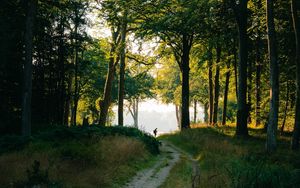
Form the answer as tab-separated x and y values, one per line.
76	157
180	175
227	161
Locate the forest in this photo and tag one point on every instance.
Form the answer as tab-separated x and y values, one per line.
69	68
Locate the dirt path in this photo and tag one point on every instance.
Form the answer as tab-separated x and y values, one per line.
157	174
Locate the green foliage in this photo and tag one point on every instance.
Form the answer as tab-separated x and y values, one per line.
57	134
168	81
138	84
229	161
257	173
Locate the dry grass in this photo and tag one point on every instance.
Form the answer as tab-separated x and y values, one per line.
108	163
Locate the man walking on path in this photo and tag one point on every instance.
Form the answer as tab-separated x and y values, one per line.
155	132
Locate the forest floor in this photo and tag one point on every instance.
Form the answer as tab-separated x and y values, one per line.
92	156
228	161
159	172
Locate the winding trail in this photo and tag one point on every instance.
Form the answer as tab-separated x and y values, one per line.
156	175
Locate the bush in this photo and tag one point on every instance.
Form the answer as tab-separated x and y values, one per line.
88	132
260	174
57	134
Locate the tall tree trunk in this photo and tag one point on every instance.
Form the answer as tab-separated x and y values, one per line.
241	127
195	111
210	85
105	103
226	96
178	118
286	107
136	120
235	73
61	61
249	90
27	72
274	80
206	105
185	70
134	111
122	72
76	92
68	101
258	71
296	133
217	87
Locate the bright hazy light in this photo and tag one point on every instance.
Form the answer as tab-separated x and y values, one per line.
153	114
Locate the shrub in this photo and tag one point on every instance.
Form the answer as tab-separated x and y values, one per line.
260	174
58	134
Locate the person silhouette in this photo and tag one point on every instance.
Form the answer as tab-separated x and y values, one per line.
155	132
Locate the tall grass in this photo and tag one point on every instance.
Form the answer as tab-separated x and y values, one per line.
71	158
227	161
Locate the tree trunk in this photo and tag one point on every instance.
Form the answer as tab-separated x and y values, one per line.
122	72
274	80
249	90
217	87
105	103
178	118
258	72
27	72
226	96
62	73
68	102
286	107
206	105
235	73
195	110
185	70
241	127
76	92
296	133
134	111
210	91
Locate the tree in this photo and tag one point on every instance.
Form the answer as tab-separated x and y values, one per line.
168	83
177	23
258	60
122	68
274	80
217	87
110	13
79	11
113	61
210	85
296	133
27	82
241	16
226	90
138	87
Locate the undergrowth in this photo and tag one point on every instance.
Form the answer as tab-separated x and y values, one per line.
228	161
76	156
